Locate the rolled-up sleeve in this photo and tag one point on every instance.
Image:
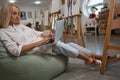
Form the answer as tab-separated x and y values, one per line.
11	46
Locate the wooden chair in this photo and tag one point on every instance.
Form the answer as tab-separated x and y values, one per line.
52	19
107	38
102	21
79	36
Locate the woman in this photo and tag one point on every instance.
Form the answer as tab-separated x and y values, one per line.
19	39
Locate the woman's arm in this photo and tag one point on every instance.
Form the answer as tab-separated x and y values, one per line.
16	49
28	47
43	35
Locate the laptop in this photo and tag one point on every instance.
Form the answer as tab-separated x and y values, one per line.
58	30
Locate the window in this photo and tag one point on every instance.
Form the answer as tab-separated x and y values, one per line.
88	4
95	3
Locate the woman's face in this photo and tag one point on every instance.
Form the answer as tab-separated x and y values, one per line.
15	16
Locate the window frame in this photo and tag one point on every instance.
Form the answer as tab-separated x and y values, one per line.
86	9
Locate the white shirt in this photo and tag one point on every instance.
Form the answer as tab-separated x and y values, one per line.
14	37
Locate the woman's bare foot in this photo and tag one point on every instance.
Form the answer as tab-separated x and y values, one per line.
93	63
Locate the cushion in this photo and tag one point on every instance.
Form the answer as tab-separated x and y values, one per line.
3	51
2	48
35	66
32	67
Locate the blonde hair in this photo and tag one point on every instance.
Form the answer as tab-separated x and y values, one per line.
5	14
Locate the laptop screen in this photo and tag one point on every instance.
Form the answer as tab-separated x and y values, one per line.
59	30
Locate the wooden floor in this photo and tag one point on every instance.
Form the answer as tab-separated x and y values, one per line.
77	70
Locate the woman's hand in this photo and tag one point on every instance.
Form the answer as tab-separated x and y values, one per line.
48	38
51	36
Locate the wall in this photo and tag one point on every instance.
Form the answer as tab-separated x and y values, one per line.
107	1
34	10
35	13
27	9
116	1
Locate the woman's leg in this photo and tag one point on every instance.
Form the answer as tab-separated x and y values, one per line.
88	55
110	58
85	58
99	57
80	49
66	49
62	48
85	51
